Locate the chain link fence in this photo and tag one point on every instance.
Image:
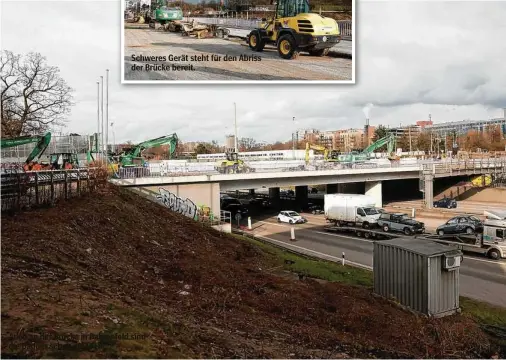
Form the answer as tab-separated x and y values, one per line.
79	144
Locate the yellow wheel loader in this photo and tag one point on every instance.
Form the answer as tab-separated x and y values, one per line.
294	29
232	165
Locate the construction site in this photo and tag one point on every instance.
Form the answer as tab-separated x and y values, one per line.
161	43
179	290
187	282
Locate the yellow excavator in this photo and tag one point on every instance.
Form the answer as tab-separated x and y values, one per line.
316	148
293	29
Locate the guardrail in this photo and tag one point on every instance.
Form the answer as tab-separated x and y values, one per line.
450	167
21	190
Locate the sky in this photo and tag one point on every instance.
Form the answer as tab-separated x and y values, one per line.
413	59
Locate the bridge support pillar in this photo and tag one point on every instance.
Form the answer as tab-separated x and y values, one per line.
374	189
274	197
301	196
428	187
331	188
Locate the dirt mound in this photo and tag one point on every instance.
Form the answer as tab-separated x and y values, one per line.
114	274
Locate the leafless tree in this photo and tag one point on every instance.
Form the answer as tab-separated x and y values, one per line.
33	95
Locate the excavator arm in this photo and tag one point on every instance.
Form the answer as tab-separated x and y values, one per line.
136	152
388	140
317	148
42	143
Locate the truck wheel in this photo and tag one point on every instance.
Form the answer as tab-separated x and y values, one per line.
469	230
367	234
407	231
494	254
386	228
255	41
320	52
366	225
287	48
290	221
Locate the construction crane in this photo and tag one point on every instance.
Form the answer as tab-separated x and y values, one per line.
41	144
133	156
365	154
293	29
232	165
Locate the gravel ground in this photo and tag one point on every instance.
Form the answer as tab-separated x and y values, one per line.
148	42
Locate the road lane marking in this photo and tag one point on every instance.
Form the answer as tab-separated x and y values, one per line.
337	259
500	263
344	236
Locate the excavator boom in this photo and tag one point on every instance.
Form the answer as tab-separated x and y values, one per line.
127	158
42	143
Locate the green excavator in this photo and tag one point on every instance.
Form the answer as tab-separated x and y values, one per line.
161	14
41	144
133	156
365	154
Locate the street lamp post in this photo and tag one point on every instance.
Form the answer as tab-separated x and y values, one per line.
293	138
106	115
113	139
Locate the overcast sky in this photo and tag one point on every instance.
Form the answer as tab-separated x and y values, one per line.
413	58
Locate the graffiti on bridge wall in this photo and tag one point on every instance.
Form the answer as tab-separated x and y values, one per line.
185	207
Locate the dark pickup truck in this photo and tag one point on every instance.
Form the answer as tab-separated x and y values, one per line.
400	222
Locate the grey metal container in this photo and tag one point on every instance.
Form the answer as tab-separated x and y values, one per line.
420	274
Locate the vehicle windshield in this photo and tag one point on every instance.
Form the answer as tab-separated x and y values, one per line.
292	213
474	218
292	8
371	211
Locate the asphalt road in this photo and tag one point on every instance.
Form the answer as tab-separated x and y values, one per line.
480	278
150	42
464	206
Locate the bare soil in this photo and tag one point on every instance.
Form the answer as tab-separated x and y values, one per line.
115	275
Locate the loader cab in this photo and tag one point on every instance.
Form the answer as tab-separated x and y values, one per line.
60	161
291	8
232	156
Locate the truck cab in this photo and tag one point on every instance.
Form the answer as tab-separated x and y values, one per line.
491	243
494	234
367	216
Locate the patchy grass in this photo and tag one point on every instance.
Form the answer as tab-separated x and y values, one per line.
492	318
319	269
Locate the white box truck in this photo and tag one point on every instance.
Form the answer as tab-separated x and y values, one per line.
351	210
354	213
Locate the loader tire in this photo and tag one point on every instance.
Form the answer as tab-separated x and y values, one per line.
255	41
287	47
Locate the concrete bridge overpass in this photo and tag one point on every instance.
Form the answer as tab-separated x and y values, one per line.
205	188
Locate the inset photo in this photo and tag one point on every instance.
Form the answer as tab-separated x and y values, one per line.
238	41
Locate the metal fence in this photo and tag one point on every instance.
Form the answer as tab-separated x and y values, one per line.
345	26
448	166
23	190
72	144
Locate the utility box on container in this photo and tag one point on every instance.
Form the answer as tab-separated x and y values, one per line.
420	274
